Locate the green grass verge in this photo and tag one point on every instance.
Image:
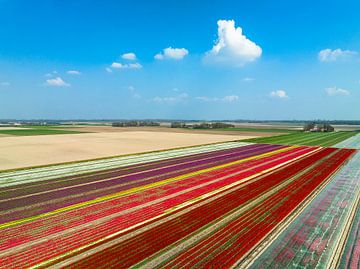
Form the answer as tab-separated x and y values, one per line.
29	132
307	139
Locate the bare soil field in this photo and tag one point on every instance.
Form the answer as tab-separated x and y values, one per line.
346	127
28	151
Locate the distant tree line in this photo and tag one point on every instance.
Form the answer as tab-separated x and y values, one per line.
135	123
203	125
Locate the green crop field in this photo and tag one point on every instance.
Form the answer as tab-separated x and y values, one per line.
37	131
308	139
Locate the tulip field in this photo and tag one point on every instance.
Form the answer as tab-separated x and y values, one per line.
226	205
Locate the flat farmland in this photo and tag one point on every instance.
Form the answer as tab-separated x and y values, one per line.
27	151
308	139
32	132
208	206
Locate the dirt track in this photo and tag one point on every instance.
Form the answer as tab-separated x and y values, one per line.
26	151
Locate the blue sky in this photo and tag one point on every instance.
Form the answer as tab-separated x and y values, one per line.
179	59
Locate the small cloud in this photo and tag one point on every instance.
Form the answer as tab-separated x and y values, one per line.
232	46
5	84
159	56
172	53
133	92
57	82
51	74
135	65
328	55
248	79
230	99
279	94
108	69
336	91
171	99
136	96
207	99
225	99
183	95
117	65
129	56
73	72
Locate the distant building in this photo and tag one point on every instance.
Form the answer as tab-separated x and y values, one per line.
320	127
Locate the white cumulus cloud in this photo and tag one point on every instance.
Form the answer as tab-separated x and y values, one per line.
329	55
117	65
336	91
279	94
172	53
73	72
232	46
129	56
57	82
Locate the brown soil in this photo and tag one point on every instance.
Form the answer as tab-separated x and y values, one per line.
26	151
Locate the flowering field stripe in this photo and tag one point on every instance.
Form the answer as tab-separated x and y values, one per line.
44	184
133	250
189	193
208	209
352	142
136	189
87	234
351	254
24	190
204	233
54	171
185	208
313	237
22	207
215	240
